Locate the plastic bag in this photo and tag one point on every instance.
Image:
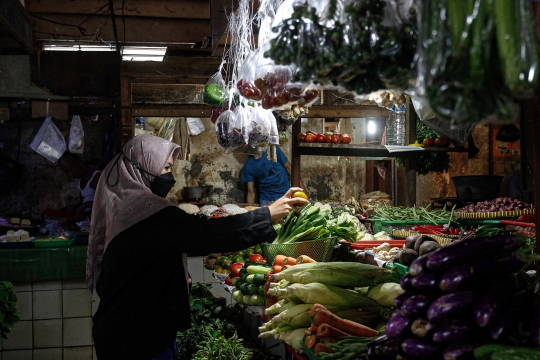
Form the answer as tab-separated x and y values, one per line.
166	130
262	80
215	93
222	128
195	126
238	129
348	45
76	136
49	141
458	71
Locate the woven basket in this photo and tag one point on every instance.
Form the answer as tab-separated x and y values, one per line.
318	250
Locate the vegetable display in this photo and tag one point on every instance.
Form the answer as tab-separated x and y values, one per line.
499	204
8	308
391	213
462	296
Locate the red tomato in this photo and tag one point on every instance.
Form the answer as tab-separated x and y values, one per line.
301	137
442	141
268	102
310	95
336	138
345	138
228	281
256	258
235	269
310	137
259	82
321	138
282	97
294	94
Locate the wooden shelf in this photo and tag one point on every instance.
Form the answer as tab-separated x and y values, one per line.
371	151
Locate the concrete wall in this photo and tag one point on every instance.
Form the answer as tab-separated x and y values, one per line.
43	185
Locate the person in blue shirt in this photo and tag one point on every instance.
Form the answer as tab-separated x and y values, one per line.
273	177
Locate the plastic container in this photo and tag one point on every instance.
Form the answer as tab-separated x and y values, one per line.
395	126
42	242
16	245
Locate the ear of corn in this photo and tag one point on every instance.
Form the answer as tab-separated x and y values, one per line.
345	274
293	338
278	307
331	295
287	274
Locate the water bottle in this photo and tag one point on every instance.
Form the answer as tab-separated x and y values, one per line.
140	123
395	126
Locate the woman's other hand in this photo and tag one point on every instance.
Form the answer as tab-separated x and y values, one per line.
284	205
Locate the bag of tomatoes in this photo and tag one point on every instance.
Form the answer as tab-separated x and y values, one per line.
263	81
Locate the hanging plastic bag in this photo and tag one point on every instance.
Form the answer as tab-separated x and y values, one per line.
215	93
238	129
166	130
222	128
195	126
457	73
49	141
76	136
259	129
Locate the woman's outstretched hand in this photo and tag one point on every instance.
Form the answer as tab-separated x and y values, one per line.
285	204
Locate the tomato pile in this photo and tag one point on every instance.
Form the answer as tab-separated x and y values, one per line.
327	137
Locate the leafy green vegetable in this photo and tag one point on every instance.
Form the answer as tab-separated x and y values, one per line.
8	308
428	161
308	225
216	346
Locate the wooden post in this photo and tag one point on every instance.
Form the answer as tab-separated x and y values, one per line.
295	153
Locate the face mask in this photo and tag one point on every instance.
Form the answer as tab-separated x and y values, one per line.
162	184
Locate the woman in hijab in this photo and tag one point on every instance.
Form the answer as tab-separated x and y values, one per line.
136	246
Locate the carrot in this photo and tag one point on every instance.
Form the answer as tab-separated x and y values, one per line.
325	330
311	341
323	316
278	260
321	348
267	276
289	261
315	307
312	329
304	259
276	269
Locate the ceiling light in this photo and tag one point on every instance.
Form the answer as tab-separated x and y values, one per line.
143	53
73	46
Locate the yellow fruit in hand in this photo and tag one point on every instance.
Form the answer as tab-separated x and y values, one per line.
299	194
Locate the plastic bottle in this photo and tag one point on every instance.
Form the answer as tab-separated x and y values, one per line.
140	123
395	126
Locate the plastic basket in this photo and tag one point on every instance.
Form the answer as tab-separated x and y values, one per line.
398	271
308	351
53	242
318	250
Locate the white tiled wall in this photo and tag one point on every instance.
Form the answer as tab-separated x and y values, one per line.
55	323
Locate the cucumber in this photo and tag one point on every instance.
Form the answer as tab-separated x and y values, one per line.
256	300
257	269
257	279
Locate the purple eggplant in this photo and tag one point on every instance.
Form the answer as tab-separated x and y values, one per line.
418	266
490	304
383	348
420	348
416	305
464	251
406	282
450	305
461	350
454	330
400	299
470	275
398	326
426	282
422	327
508	320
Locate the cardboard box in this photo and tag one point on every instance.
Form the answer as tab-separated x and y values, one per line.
58	110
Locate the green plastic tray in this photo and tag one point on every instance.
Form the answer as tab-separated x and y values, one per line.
398	271
53	243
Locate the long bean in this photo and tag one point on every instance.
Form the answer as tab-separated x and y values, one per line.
400	213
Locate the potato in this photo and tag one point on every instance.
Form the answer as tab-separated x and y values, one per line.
428	246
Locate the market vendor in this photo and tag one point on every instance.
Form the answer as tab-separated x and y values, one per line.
136	252
272	177
88	177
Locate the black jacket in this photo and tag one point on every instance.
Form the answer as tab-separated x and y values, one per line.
142	285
